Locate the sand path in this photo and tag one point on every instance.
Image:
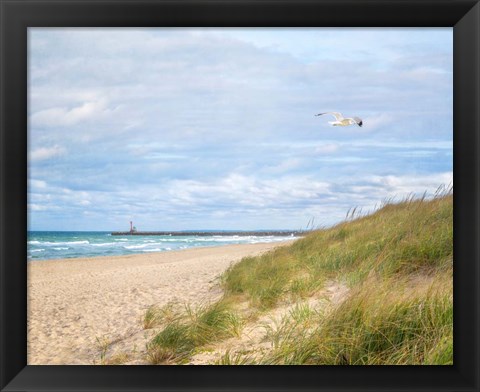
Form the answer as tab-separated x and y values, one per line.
254	341
74	304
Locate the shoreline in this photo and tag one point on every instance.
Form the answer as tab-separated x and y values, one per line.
75	303
91	254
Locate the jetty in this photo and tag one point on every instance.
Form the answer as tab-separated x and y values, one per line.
279	233
209	233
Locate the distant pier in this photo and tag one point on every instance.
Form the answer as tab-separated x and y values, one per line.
215	233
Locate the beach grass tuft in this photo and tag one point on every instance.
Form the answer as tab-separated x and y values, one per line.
229	358
190	329
150	318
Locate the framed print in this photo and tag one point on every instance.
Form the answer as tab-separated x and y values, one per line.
263	186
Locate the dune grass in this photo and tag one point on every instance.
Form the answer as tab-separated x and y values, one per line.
397	264
404	238
185	331
393	322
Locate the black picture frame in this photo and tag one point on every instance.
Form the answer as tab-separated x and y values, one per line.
18	15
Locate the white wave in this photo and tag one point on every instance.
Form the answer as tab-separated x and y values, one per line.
37	250
105	244
136	246
60	248
153	250
71	243
226	239
121	239
177	239
141	246
58	243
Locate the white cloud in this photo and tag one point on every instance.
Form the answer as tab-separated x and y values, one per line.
284	166
44	153
61	116
400	186
37	184
240	190
423	73
37	207
326	148
403	144
371	123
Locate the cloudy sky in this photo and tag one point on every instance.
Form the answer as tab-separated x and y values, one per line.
214	128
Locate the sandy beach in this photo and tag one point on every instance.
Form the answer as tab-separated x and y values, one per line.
77	305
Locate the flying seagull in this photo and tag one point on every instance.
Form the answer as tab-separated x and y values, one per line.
341	121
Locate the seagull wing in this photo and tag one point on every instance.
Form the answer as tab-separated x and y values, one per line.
338	116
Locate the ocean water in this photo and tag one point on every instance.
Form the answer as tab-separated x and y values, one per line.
43	245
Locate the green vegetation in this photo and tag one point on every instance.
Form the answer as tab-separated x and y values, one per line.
394	322
397	265
185	331
411	237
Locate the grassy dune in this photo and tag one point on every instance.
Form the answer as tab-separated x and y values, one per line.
397	264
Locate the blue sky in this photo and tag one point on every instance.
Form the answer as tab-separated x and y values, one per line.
180	128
